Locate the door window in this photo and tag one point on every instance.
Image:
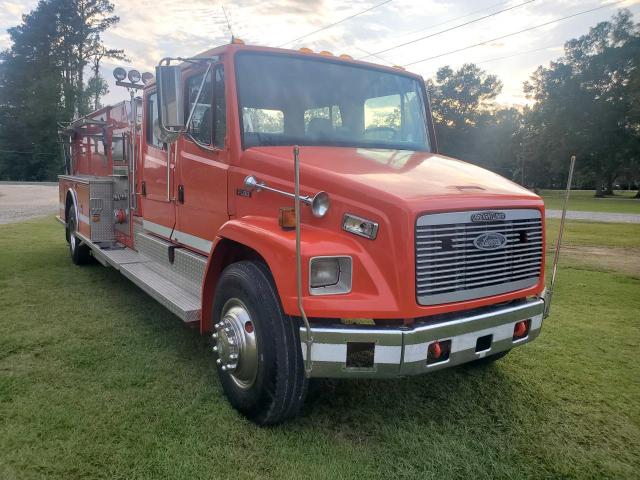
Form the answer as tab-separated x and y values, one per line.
153	121
201	126
220	108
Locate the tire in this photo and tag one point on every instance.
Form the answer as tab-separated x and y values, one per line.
80	254
265	381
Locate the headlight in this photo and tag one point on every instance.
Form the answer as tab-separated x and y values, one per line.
330	275
359	226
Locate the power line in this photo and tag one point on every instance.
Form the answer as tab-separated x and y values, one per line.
430	74
517	54
452	28
28	153
453	19
335	23
513	33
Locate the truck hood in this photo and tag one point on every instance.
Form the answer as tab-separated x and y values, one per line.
406	176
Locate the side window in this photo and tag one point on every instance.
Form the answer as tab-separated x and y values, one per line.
201	125
328	113
382	115
220	110
262	120
153	118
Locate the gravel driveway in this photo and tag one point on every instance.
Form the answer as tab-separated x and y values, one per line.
22	201
596	216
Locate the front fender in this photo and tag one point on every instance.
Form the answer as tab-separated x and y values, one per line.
370	292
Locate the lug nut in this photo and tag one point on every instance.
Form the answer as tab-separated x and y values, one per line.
215	348
219	362
215	336
227	329
233	356
224	368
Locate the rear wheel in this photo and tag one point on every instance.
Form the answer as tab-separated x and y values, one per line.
80	254
257	346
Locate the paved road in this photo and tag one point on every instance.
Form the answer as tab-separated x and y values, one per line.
24	201
596	216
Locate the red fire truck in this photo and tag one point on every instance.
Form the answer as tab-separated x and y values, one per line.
294	207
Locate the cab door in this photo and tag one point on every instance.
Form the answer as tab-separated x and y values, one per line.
201	174
158	166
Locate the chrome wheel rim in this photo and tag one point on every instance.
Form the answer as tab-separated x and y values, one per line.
236	344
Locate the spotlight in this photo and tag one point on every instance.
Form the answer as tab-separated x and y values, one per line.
134	76
147	77
119	73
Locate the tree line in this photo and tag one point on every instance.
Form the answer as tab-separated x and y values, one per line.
585	103
43	82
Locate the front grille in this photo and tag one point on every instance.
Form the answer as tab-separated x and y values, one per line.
451	267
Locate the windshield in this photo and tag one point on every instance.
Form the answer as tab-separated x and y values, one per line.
288	100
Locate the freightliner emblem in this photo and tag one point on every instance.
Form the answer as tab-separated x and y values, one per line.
488	216
490	241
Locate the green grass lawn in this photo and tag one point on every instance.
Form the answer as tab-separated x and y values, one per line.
99	381
583	200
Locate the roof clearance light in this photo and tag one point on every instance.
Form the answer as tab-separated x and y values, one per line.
119	73
359	226
306	50
147	77
399	67
237	41
346	57
134	76
326	53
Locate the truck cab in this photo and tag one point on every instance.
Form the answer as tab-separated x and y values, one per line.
294	207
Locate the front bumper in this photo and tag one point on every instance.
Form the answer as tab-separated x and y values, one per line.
402	351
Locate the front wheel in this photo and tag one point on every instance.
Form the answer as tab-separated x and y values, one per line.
257	346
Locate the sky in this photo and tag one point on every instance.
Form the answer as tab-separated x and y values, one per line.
152	29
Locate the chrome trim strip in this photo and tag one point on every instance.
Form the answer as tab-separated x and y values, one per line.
435	219
187	239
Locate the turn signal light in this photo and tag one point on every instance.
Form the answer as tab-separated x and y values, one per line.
521	329
287	218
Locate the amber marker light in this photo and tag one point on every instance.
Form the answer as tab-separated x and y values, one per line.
287	218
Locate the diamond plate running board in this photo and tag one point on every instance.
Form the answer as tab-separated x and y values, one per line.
175	299
146	274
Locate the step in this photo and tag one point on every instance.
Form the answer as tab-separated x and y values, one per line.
186	270
177	300
115	257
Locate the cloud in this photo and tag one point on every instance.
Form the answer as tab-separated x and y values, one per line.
152	29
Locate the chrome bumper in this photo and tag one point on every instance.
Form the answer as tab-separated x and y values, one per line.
402	351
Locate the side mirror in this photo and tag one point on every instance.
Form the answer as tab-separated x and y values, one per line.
170	96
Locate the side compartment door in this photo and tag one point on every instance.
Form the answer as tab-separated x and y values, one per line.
158	165
201	179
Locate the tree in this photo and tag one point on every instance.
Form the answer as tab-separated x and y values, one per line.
42	81
585	103
468	122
